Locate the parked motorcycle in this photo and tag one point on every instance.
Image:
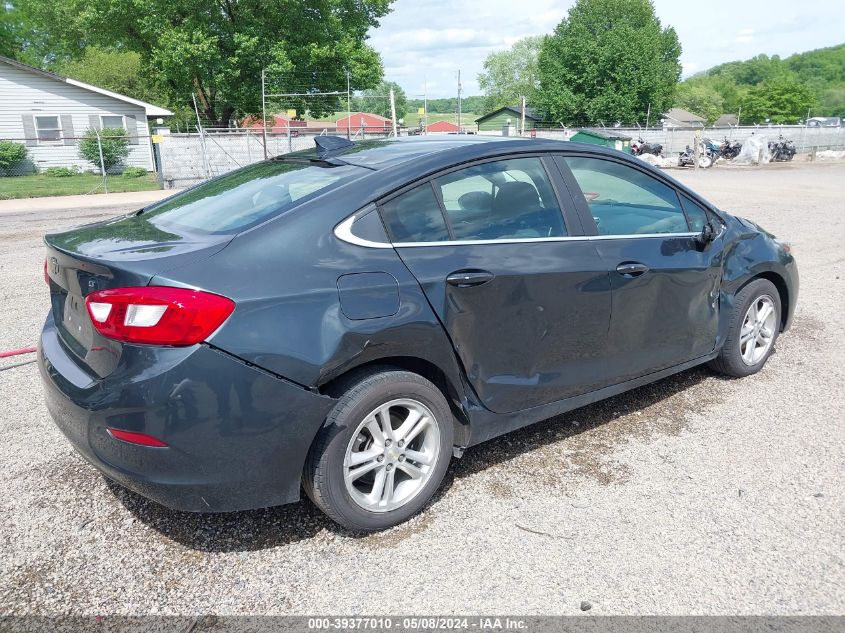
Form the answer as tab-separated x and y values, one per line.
706	155
640	147
730	150
782	150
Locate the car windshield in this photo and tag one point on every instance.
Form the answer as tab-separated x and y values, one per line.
243	198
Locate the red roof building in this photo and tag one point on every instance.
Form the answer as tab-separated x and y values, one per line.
367	120
442	127
280	125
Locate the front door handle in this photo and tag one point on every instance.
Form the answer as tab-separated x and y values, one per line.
631	269
468	278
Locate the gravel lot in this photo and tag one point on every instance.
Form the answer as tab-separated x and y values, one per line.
695	495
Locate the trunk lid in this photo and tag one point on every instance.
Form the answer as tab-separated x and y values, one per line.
123	252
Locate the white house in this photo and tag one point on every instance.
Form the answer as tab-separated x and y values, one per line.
49	113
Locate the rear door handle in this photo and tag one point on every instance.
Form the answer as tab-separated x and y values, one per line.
468	278
631	269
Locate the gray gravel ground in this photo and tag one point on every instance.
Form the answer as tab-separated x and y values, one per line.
695	495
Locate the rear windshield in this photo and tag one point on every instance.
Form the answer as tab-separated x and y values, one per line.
243	198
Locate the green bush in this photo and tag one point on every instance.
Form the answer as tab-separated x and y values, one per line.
61	172
11	154
115	144
134	172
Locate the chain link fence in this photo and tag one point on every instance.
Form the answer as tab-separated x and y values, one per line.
186	159
62	165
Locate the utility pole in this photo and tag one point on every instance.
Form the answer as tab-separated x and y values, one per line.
263	115
522	123
460	128
348	109
647	116
393	112
202	138
425	104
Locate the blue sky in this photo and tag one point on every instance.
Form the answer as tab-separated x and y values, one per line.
431	39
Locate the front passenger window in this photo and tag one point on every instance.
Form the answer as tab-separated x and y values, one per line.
627	201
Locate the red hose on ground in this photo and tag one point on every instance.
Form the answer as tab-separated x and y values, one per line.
16	352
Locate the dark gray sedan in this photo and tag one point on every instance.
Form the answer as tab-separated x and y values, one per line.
346	319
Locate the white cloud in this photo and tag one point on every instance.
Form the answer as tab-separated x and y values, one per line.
433	39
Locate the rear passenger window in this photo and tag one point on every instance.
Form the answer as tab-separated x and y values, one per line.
507	199
627	201
415	216
696	214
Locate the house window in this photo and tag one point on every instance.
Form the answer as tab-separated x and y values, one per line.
48	129
107	120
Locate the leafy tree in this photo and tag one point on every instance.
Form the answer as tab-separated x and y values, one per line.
512	74
115	146
377	100
701	98
217	50
783	99
119	71
607	61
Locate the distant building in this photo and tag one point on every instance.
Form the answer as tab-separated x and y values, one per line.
497	119
49	114
727	120
442	127
277	123
678	117
366	121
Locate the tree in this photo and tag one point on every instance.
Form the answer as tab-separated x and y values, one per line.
119	71
606	62
216	50
701	98
377	100
512	74
114	144
11	154
783	99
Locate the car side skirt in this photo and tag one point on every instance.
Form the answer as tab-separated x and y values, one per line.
486	425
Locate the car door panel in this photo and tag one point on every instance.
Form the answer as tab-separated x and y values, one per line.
667	314
523	297
534	333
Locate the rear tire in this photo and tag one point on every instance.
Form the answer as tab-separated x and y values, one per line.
753	331
382	452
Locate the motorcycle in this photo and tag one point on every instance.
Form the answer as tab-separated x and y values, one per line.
729	150
707	155
782	150
640	147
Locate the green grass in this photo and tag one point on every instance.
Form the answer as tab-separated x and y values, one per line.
41	185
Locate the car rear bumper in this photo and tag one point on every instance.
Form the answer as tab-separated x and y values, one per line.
237	437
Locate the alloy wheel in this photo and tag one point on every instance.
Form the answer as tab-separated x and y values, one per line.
392	455
758	330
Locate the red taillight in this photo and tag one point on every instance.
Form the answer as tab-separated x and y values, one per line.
136	438
157	315
46	274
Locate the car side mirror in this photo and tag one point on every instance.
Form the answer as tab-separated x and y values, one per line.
707	235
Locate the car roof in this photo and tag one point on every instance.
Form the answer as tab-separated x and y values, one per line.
381	153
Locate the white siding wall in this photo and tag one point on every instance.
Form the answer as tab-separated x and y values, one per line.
25	93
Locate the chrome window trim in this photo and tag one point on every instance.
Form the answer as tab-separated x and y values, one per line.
343	231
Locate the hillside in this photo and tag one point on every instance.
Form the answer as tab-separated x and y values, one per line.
782	89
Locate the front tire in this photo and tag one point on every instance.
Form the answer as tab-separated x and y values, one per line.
754	328
382	452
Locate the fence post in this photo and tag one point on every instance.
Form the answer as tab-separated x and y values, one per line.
102	162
